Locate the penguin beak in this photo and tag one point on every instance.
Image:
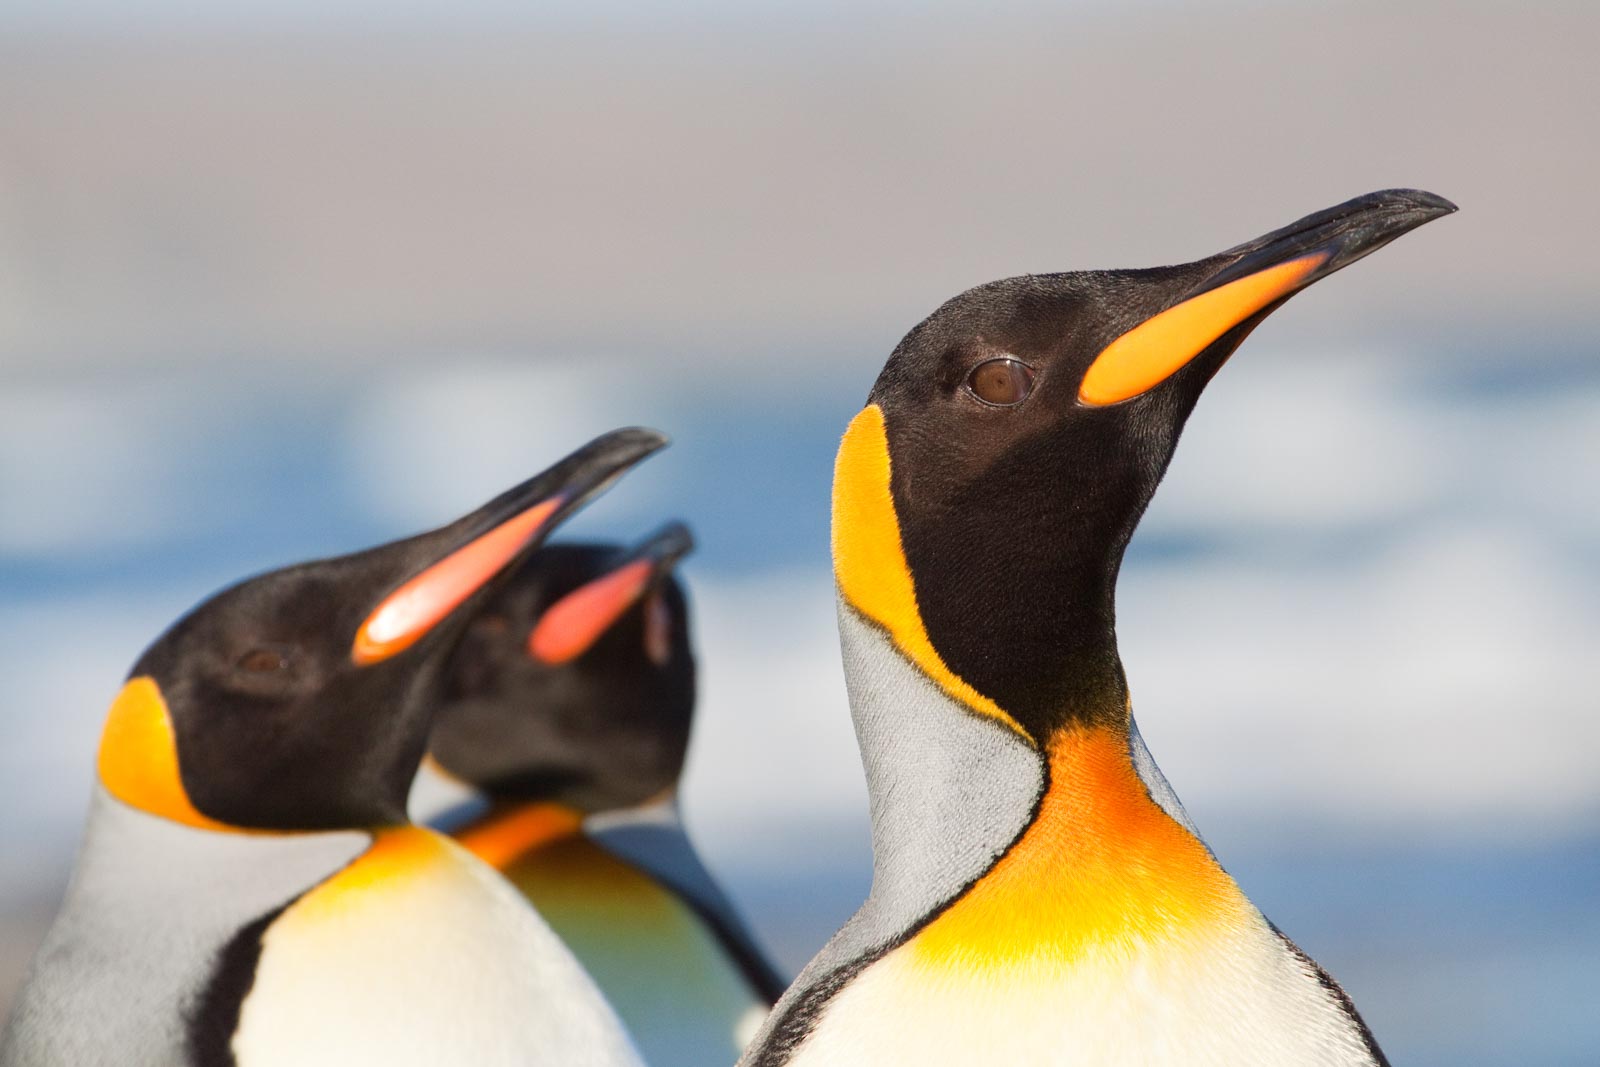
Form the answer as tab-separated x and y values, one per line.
571	626
1248	283
456	562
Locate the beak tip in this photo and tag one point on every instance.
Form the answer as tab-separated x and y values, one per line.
671	543
606	457
1421	202
640	439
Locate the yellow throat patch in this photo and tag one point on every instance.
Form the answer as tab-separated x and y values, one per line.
1102	867
397	853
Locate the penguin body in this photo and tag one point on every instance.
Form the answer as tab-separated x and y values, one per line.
675	962
1150	954
413	918
1039	894
249	891
569	708
137	947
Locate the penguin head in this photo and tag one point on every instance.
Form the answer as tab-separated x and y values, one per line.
984	497
300	699
575	684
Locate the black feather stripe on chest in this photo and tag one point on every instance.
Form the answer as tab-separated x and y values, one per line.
214	1016
805	1013
1335	990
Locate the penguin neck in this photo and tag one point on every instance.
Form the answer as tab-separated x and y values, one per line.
513	829
950	787
1101	862
1056	666
963	805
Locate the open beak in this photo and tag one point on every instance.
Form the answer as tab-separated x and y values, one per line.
571	626
1248	283
458	560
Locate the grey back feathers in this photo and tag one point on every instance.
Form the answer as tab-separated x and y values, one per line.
150	907
1155	783
950	791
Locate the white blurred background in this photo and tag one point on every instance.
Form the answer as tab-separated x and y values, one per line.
283	280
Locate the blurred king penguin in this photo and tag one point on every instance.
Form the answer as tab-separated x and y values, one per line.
249	891
1039	895
567	709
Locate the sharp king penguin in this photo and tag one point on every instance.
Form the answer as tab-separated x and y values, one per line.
567	708
1039	895
249	892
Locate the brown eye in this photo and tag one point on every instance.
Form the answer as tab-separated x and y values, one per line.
263	661
1001	382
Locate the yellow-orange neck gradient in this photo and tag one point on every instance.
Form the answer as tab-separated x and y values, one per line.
869	561
503	837
396	853
1102	868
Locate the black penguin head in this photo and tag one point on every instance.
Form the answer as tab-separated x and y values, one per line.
575	683
1015	436
300	699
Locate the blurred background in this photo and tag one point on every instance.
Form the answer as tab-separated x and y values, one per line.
280	280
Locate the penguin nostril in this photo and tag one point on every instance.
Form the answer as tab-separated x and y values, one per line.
1001	382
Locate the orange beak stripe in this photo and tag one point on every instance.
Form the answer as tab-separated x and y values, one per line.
422	603
576	621
1154	350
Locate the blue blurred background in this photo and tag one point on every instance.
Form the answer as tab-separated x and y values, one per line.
282	280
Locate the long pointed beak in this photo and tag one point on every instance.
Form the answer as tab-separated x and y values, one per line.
1249	282
466	556
570	627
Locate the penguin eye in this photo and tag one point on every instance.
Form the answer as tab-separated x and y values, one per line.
1001	382
263	661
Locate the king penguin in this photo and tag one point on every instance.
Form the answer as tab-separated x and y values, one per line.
1039	896
567	708
249	892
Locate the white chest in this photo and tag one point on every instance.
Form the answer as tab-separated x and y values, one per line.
426	958
1245	1000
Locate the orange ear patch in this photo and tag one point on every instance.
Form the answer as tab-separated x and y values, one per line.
575	622
422	602
1158	347
138	760
869	561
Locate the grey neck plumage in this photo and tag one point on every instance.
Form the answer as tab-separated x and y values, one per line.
950	791
150	906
